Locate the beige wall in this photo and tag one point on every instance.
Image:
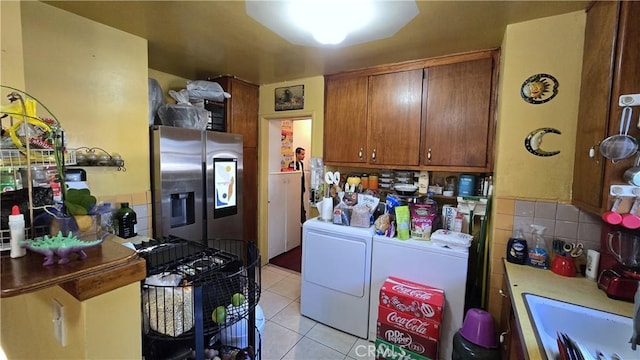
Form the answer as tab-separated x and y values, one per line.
93	326
11	67
314	110
94	78
168	82
552	46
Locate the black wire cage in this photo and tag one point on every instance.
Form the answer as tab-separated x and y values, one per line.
200	301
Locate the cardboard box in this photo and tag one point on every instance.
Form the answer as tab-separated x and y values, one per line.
421	301
386	351
420	345
418	326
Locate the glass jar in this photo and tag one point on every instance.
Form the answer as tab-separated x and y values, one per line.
373	181
364	180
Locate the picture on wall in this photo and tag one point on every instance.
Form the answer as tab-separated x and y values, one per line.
289	98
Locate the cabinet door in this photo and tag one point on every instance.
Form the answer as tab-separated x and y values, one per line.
345	119
593	111
458	125
241	109
394	110
293	230
276	230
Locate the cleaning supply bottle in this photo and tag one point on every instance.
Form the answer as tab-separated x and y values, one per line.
16	226
538	255
517	248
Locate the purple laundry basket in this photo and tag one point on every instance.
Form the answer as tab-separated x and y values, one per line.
478	328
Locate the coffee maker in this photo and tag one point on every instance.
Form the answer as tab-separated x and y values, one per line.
619	266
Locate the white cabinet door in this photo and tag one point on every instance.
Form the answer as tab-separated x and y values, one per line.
294	228
284	212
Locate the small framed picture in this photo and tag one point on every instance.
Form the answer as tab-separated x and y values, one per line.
290	98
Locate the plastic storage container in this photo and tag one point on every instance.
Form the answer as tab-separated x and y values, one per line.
464	349
478	328
236	334
477	338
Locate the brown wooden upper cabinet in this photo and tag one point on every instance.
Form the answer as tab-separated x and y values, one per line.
345	124
457	116
610	68
393	113
241	109
432	114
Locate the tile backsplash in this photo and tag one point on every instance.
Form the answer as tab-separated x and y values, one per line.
562	221
140	203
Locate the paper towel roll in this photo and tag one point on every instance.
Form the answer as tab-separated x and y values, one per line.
326	209
593	258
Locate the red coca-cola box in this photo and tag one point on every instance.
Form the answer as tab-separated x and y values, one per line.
420	345
387	351
421	301
419	326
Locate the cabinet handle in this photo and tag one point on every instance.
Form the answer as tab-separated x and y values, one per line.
503	336
360	153
373	155
429	155
502	293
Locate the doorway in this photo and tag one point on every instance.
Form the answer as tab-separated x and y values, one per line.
284	232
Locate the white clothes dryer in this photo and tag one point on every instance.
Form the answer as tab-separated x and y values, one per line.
336	275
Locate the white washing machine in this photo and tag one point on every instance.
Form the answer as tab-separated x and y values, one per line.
336	274
425	263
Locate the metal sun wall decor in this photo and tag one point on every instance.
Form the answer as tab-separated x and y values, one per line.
539	89
533	142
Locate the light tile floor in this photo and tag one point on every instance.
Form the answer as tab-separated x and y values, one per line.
288	335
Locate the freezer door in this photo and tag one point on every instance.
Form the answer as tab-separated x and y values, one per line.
224	170
177	182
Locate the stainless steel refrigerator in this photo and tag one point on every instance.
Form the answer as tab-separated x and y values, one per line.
196	181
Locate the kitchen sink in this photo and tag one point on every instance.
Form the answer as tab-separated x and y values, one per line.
595	330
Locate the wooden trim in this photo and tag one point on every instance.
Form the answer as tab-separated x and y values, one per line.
418	64
107	267
93	285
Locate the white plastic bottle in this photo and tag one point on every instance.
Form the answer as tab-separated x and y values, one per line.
16	226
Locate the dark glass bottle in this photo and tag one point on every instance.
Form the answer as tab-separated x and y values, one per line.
126	221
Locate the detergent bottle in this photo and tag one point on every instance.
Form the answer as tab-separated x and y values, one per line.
517	248
538	255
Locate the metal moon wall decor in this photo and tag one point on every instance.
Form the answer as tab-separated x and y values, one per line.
539	88
533	142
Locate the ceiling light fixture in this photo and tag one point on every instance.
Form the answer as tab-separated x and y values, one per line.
337	23
330	21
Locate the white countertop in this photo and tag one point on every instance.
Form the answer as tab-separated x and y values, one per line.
576	290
